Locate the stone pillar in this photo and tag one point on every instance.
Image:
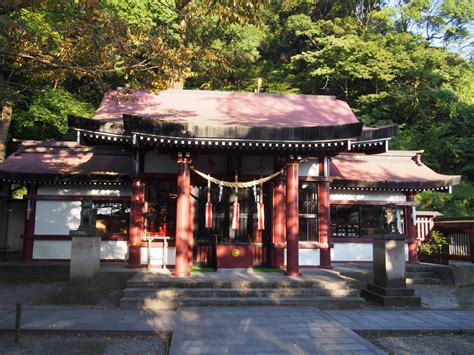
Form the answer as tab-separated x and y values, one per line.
29	232
292	220
279	227
410	230
85	259
183	221
137	203
389	270
85	250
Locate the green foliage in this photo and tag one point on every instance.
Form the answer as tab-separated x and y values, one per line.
390	60
435	245
46	116
19	193
459	203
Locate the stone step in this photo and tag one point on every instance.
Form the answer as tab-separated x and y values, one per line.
392	301
321	302
237	292
240	284
416	274
423	281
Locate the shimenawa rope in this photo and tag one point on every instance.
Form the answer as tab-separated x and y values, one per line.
234	184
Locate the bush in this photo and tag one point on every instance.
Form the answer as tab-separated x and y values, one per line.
435	249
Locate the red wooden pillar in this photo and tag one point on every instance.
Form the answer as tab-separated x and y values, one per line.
137	203
183	220
191	229
324	217
411	230
292	220
279	228
29	232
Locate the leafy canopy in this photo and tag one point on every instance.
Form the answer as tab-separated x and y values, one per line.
393	61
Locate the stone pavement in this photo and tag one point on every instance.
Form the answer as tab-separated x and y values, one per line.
405	320
263	330
257	330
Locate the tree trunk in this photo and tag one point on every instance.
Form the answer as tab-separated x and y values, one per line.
5	120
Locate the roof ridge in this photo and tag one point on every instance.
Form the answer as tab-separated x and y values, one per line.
199	91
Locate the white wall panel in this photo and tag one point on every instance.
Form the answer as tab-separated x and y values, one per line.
157	256
61	249
307	257
52	249
355	252
114	250
352	252
57	217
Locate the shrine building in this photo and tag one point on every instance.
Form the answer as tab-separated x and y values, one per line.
235	180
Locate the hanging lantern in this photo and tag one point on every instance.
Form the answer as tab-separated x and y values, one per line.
260	211
235	212
208	207
236	206
209	215
260	216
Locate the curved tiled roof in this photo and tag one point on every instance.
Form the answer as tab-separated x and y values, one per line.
66	161
393	169
221	108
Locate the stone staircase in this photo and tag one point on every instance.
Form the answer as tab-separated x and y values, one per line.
423	277
323	294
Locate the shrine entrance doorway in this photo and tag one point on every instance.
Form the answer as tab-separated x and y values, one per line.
225	244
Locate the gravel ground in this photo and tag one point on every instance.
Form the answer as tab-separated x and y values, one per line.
84	344
28	292
425	344
44	293
445	297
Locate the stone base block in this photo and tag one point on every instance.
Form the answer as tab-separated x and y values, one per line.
393	297
463	274
85	260
392	291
